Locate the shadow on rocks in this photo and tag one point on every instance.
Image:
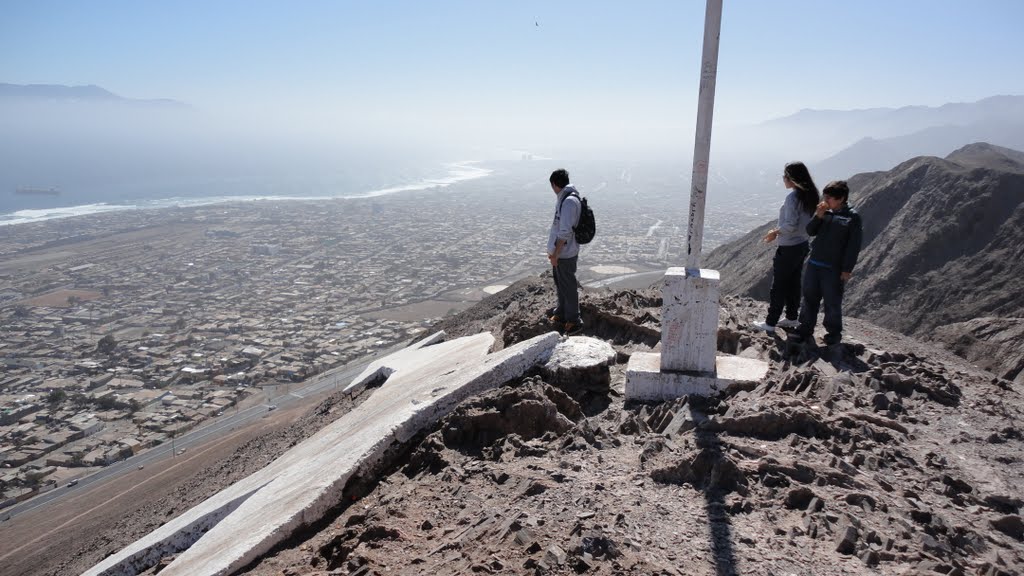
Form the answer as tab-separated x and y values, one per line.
716	475
842	357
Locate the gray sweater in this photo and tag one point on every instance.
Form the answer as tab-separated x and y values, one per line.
567	215
793	222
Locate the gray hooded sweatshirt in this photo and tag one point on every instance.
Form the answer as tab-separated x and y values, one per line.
793	222
567	215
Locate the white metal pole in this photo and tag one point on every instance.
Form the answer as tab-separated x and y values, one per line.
702	142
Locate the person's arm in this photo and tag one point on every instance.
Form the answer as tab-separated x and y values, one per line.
568	218
553	257
789	217
852	250
568	215
814	226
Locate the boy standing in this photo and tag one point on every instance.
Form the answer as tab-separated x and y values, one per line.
563	251
837	232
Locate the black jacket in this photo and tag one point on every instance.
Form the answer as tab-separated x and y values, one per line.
837	237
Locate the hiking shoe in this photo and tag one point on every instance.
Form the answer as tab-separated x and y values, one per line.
764	326
573	328
555	319
787	323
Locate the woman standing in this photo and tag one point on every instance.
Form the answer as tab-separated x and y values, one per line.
791	238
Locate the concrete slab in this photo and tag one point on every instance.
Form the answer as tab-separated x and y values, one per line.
405	359
228	531
645	381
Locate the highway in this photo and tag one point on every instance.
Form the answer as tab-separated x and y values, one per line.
337	378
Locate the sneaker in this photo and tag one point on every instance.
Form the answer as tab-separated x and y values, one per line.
787	323
764	326
573	328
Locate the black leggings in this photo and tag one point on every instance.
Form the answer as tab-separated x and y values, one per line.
785	293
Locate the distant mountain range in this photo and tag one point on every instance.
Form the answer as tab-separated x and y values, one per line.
38	93
839	143
943	243
889	122
872	154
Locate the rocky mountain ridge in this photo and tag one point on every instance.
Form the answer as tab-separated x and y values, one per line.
943	243
992	343
29	93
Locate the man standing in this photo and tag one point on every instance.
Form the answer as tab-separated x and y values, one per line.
563	251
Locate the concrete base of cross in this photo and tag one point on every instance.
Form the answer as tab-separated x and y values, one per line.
688	362
689	320
645	381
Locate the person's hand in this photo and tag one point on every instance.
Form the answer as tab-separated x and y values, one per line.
771	235
845	276
553	259
820	210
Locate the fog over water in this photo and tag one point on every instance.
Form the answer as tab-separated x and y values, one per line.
64	153
143	104
131	153
67	151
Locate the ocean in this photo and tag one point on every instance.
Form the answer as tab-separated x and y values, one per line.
35	208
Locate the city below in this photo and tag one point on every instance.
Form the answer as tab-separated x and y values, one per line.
124	330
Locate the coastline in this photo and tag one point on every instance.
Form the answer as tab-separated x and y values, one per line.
460	171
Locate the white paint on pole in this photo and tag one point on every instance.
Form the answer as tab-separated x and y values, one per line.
702	142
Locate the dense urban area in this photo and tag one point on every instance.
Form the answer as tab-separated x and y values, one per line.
125	329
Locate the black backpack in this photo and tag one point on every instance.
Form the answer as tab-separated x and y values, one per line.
585	229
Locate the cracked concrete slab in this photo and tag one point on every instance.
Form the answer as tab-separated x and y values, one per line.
234	527
405	359
647	382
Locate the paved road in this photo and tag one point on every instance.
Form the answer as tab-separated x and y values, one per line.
615	281
337	379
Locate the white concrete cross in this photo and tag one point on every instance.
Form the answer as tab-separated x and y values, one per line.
688	363
702	141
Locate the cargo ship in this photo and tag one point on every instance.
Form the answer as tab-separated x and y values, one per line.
34	191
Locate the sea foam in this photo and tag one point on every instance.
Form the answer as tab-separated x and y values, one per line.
456	172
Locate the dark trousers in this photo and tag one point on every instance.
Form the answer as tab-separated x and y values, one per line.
565	284
822	284
786	268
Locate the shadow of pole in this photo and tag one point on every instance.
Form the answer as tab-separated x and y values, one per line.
717	483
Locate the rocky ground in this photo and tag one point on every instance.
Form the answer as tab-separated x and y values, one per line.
885	455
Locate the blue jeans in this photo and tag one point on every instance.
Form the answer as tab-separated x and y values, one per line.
565	285
822	283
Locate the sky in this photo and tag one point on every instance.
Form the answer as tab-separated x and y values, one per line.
508	72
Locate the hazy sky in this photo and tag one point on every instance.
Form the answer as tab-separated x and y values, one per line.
515	70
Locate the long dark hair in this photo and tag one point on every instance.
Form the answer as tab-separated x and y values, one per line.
806	191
